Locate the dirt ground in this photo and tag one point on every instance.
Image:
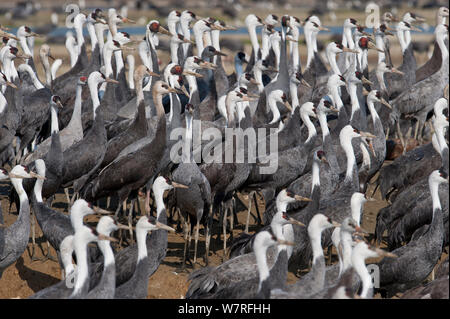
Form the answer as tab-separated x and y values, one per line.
26	277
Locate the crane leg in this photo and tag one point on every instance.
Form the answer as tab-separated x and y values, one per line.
197	227
259	220
33	238
250	200
130	219
400	136
208	234
66	191
416	131
224	230
147	202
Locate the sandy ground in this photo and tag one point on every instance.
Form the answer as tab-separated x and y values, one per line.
26	277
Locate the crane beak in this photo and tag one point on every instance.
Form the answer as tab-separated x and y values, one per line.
165	227
9	35
420	19
164	30
219	53
301	198
296	222
367	134
126	20
384	102
208	65
2	226
344	49
197	75
388	33
101	211
151	73
178	185
246	98
33	174
51	57
333	109
11	85
254	81
229	27
366	81
360	230
413	28
335	224
60	105
365	92
323	28
288	106
303	81
394	70
271	69
372	149
384	253
324	160
23	56
111	81
33	34
374	47
104	237
120	226
100	20
185	92
284	242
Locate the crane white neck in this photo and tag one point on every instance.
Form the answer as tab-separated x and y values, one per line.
358	262
18	186
54	120
322	117
332	60
76	115
354	98
92	83
309	124
402	40
141	238
261	262
315	235
346	144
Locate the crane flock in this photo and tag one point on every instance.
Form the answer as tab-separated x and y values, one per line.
102	134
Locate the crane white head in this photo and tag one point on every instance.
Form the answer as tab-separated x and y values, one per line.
188	16
320	222
438	177
280	97
308	109
375	96
25	31
411	17
154	27
106	225
21	172
253	21
271	19
382	67
3	174
149	223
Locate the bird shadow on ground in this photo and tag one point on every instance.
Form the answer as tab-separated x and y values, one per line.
36	280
